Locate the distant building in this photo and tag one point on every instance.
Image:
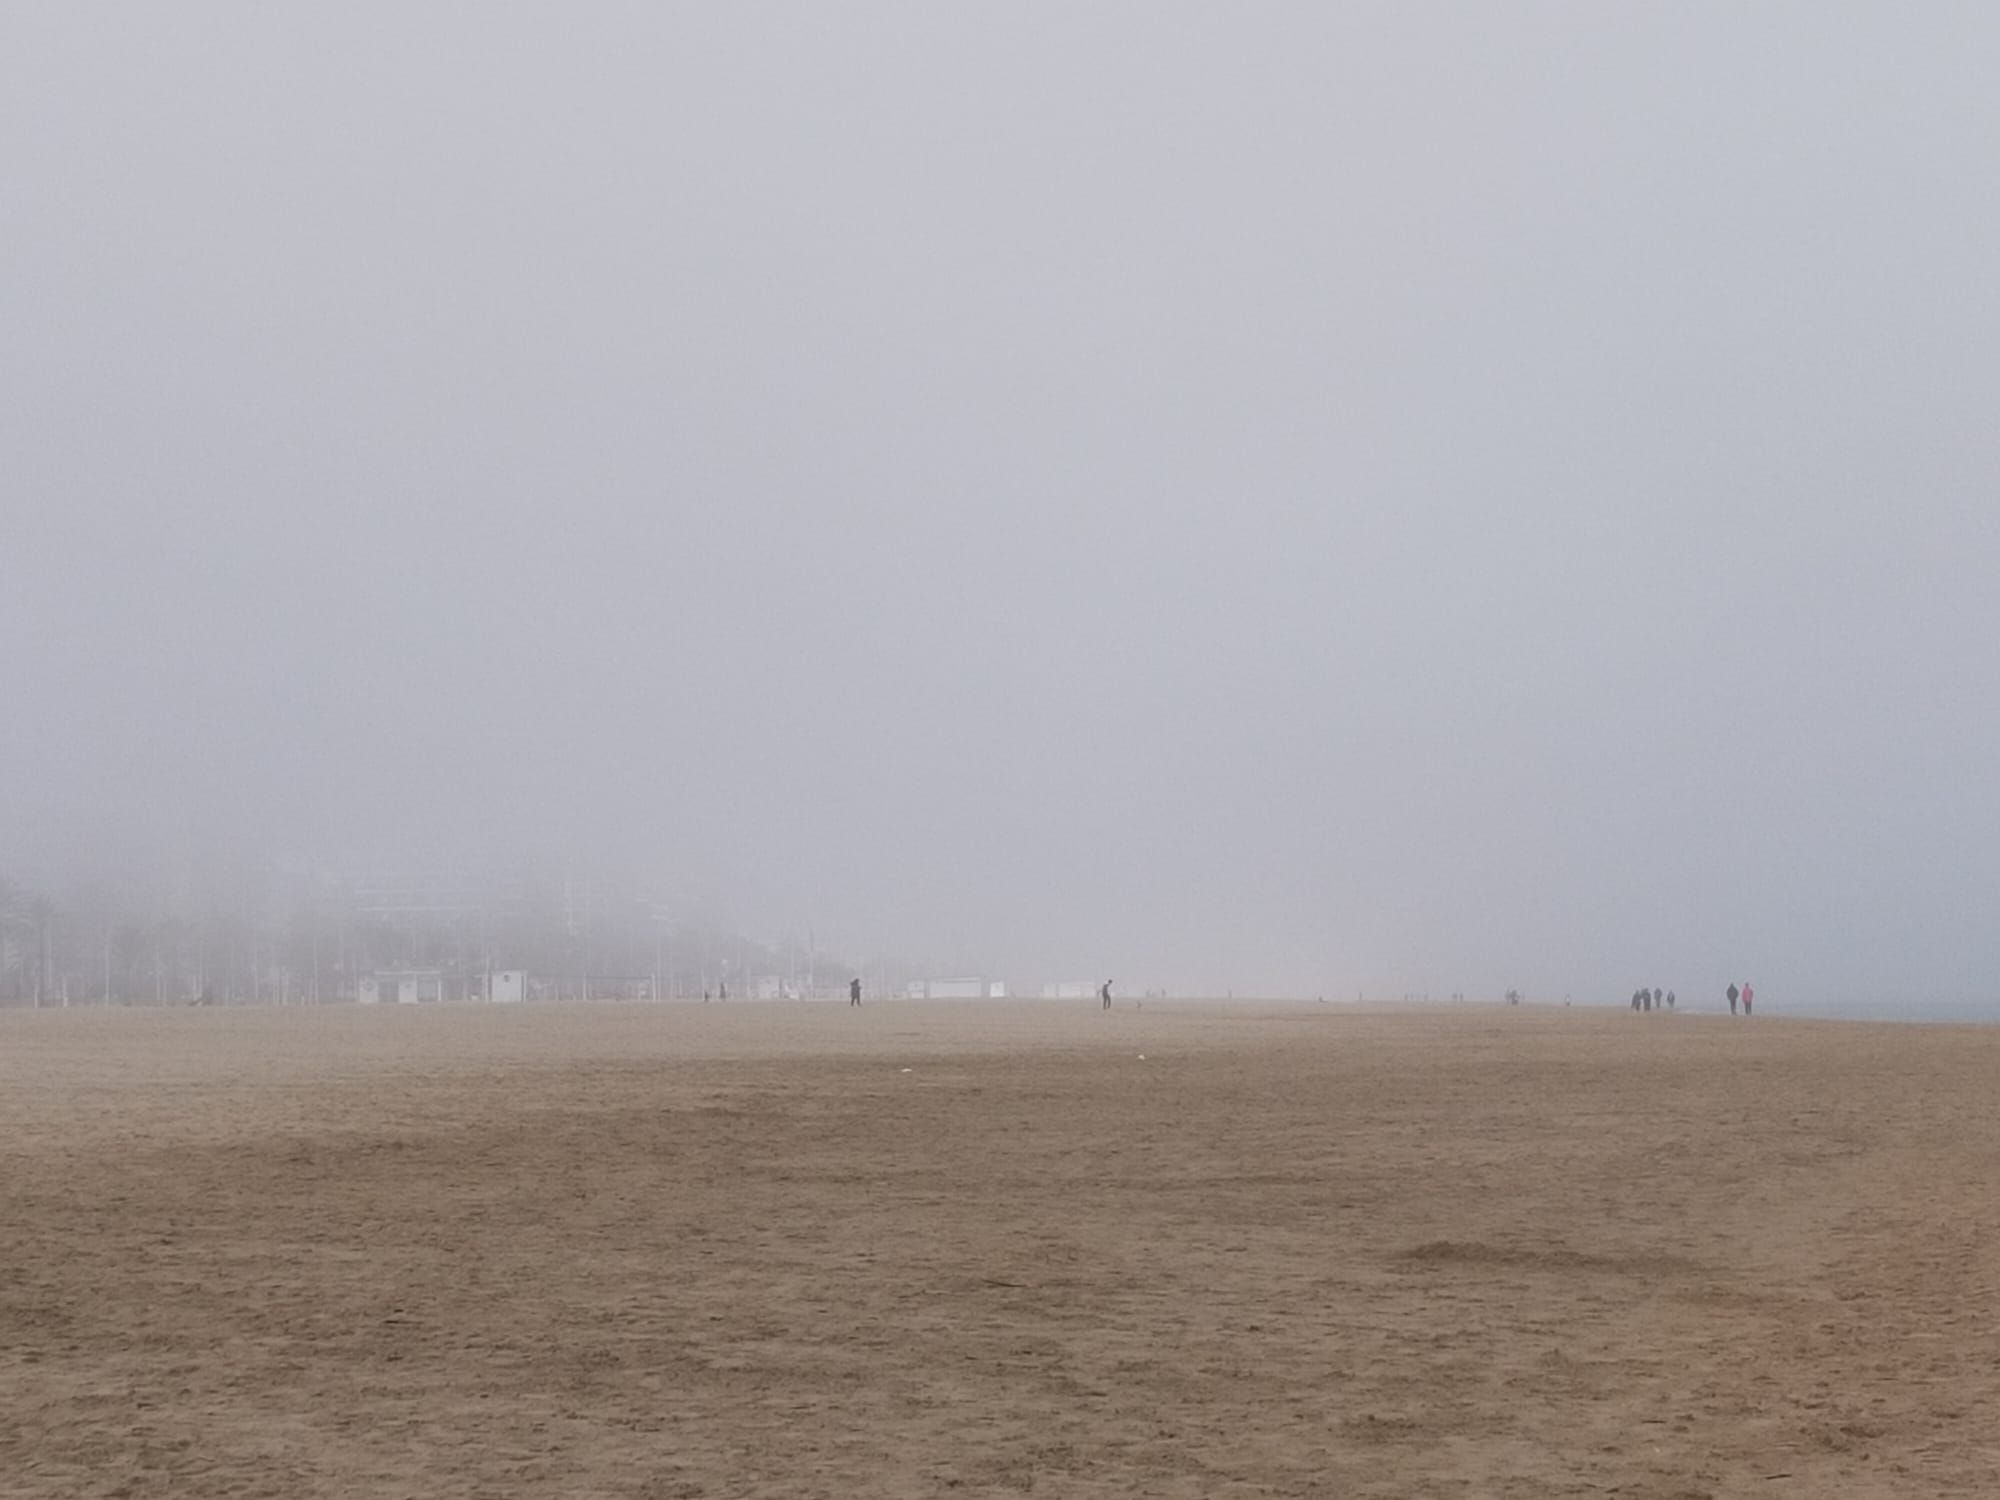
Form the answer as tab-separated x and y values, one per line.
404	986
954	989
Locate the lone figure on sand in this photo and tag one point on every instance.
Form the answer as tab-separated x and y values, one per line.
1732	997
854	990
1104	993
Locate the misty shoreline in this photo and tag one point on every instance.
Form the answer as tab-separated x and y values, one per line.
1234	1009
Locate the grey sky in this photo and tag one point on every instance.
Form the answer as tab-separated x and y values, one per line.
1294	496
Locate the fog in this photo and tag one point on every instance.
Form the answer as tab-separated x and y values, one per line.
1282	498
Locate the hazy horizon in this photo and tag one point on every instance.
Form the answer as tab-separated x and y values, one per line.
1387	498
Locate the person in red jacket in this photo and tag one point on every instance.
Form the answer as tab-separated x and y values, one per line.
1747	992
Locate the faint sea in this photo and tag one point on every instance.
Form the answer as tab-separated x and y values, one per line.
1959	1012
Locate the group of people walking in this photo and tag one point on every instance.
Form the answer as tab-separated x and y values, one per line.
1656	1000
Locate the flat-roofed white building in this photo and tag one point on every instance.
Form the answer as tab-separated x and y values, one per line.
404	986
954	989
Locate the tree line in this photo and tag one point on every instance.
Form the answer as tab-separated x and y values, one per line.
291	937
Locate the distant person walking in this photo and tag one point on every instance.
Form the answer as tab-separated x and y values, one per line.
1732	997
1104	993
1747	993
854	991
1635	999
1670	999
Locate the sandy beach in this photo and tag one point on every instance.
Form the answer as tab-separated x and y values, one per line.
912	1250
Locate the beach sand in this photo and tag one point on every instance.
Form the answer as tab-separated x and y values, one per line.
785	1250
